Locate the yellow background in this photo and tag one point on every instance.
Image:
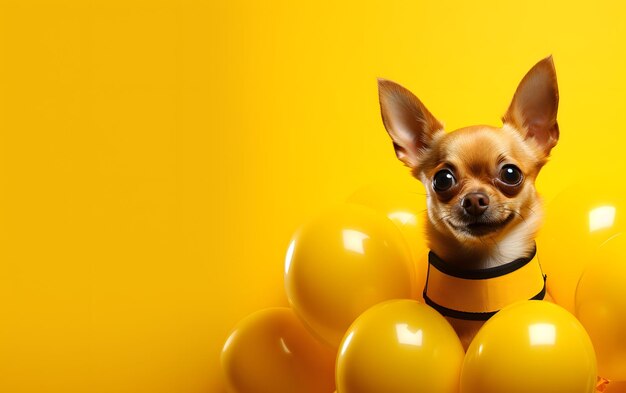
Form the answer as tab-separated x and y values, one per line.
156	156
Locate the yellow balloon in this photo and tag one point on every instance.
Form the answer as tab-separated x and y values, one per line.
530	346
405	207
343	262
577	221
601	307
271	351
399	346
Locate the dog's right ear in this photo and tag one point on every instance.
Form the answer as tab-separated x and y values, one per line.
409	124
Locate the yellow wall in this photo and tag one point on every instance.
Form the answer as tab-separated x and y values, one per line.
155	156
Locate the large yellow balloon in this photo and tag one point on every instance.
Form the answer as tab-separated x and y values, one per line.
530	346
407	209
271	351
577	221
601	307
399	346
343	262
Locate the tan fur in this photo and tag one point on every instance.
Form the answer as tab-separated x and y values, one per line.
475	155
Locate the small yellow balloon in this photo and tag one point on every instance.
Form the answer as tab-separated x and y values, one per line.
577	221
601	307
271	351
343	262
531	346
405	207
399	346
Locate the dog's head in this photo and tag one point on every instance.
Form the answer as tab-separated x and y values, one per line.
479	179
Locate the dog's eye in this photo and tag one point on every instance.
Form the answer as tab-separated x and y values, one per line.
511	175
443	180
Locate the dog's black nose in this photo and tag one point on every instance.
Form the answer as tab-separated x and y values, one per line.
475	203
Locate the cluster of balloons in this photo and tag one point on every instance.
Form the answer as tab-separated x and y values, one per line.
358	323
582	248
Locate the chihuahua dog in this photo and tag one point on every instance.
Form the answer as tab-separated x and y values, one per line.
483	209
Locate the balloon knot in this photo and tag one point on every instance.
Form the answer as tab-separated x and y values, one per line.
602	384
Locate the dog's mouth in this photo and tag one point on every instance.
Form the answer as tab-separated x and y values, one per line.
482	228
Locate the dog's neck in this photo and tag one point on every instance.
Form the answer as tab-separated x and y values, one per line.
516	242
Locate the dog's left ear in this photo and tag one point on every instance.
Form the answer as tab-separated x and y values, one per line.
535	104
